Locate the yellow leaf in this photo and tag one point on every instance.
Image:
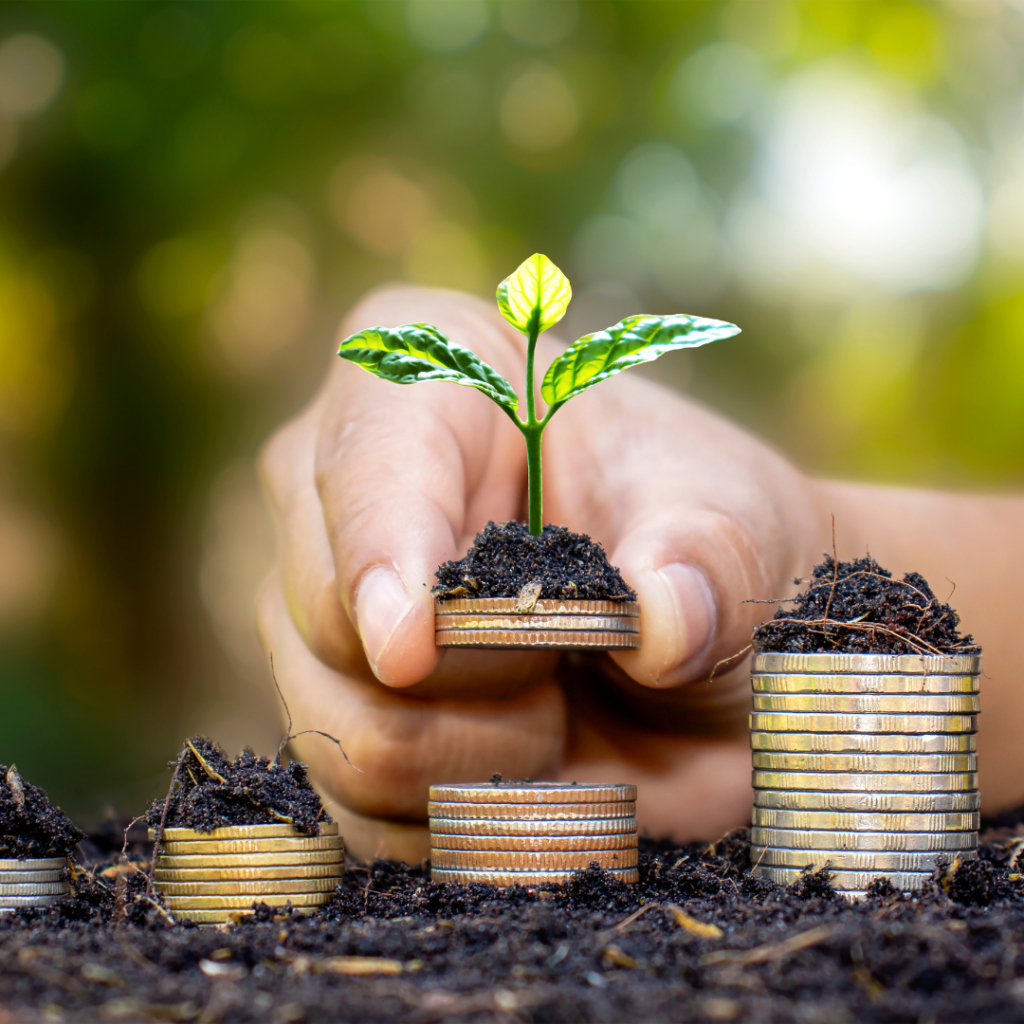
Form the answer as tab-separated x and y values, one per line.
692	925
536	296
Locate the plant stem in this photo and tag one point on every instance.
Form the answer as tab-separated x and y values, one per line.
533	432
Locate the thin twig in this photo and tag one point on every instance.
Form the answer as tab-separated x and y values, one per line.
163	821
835	568
725	661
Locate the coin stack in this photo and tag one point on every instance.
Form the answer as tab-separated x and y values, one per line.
505	622
33	882
866	762
209	876
531	833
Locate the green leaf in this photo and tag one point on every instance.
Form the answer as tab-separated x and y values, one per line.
536	296
637	339
418	352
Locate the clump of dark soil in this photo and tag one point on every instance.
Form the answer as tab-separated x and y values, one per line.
857	607
505	558
30	826
212	791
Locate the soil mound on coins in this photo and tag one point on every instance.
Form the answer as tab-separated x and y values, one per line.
857	607
30	826
505	558
212	791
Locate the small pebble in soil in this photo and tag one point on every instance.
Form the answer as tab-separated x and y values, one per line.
505	558
213	792
857	607
30	826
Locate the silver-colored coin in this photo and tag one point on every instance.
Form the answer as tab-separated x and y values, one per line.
783	721
864	743
850	782
554	640
512	827
527	878
532	812
537	844
857	821
811	800
34	864
21	902
870	703
863	684
883	842
905	881
532	793
21	877
845	860
777	662
33	889
775	761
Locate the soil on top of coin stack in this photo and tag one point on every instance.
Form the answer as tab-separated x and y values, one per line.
857	607
30	826
213	792
505	558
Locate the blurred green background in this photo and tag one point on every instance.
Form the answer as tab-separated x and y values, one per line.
191	194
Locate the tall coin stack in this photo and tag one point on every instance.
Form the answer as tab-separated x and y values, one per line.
33	882
531	833
867	762
209	876
505	622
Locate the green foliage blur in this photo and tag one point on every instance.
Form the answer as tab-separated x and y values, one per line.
191	194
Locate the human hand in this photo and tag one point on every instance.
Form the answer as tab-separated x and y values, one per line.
375	485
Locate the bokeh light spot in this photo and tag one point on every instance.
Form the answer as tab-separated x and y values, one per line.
721	82
447	26
448	255
904	39
538	110
658	187
538	22
31	74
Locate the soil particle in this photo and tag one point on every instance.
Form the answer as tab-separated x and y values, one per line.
505	559
857	607
213	791
30	826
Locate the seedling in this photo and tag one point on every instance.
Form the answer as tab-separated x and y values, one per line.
532	300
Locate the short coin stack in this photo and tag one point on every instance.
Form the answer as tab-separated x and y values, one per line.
33	882
209	876
506	622
867	762
531	833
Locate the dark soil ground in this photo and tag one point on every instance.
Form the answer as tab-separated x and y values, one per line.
593	950
30	826
209	790
857	607
505	558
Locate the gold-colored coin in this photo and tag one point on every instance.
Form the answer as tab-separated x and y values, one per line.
847	861
211	917
865	743
218	835
510	639
296	859
782	663
22	877
533	879
545	606
554	844
489	860
33	889
240	874
34	864
255	846
532	812
856	821
904	881
865	762
8	903
885	842
250	888
532	793
510	827
870	703
863	684
809	800
302	899
557	623
808	722
850	782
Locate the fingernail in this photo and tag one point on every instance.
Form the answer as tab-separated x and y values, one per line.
381	605
693	604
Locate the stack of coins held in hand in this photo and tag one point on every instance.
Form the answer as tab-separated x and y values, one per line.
864	761
33	882
505	622
209	876
531	833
